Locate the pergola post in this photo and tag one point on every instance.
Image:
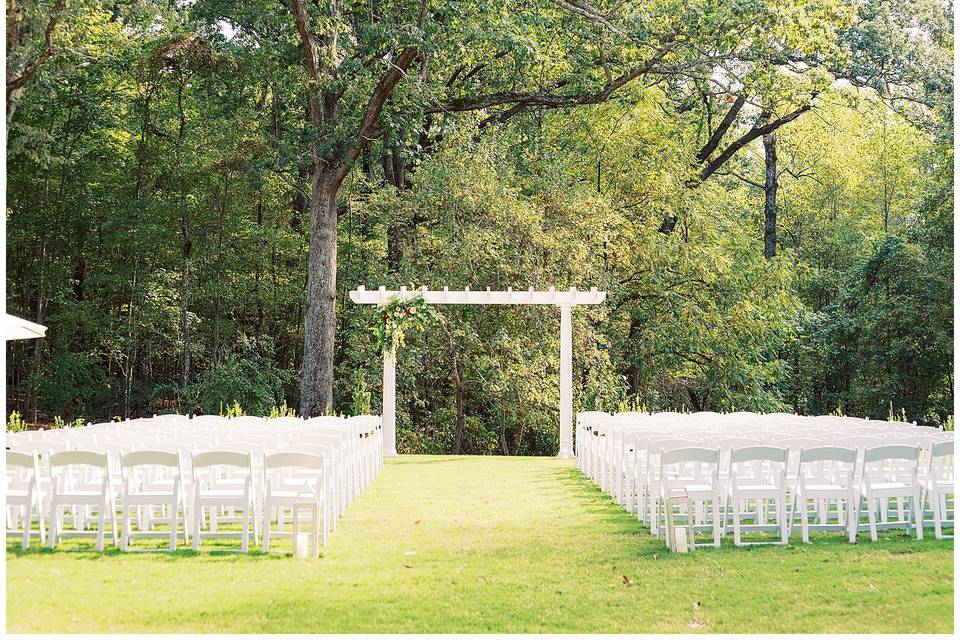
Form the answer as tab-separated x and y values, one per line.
566	382
388	412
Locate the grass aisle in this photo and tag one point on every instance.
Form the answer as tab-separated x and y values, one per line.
448	544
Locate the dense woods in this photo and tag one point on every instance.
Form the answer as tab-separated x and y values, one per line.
764	188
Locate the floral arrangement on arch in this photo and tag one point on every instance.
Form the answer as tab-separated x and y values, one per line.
398	316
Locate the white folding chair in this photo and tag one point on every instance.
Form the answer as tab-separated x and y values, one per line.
940	487
886	477
283	489
70	486
826	475
695	472
150	479
23	494
208	493
646	475
759	474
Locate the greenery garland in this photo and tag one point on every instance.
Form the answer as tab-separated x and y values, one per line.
398	316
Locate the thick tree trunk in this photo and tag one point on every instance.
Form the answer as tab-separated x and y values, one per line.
320	320
770	196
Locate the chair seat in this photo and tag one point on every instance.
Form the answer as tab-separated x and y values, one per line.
288	494
78	493
890	488
164	496
758	488
221	493
836	488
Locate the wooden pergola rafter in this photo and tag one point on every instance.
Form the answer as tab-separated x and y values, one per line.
564	299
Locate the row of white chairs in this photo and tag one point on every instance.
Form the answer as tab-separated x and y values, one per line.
191	476
771	463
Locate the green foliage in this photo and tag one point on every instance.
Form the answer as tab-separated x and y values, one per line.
232	411
158	211
399	316
361	397
893	416
60	423
16	423
248	378
283	411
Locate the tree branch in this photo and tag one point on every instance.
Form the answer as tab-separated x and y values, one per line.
582	8
757	131
15	83
547	99
375	106
717	136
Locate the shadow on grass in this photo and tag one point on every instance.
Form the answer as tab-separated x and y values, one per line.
89	552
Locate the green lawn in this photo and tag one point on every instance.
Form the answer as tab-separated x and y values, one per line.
470	544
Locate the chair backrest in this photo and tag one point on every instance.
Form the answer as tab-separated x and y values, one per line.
657	444
90	458
726	443
228	458
690	454
859	442
747	454
16	459
293	459
158	458
891	452
828	454
941	449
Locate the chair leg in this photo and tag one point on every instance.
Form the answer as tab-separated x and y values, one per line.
916	514
736	520
113	521
101	524
245	534
124	525
174	521
197	518
872	516
782	518
805	521
265	528
26	523
54	531
937	514
716	520
853	519
40	522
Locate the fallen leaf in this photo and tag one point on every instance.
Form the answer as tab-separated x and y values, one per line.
871	586
417	521
626	581
696	606
408	566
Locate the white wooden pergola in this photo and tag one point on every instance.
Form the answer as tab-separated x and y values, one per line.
565	300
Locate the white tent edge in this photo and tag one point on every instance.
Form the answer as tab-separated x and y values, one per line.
16	328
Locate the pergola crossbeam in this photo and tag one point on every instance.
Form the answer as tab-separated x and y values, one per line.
573	296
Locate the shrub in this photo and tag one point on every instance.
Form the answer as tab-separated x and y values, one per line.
16	422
